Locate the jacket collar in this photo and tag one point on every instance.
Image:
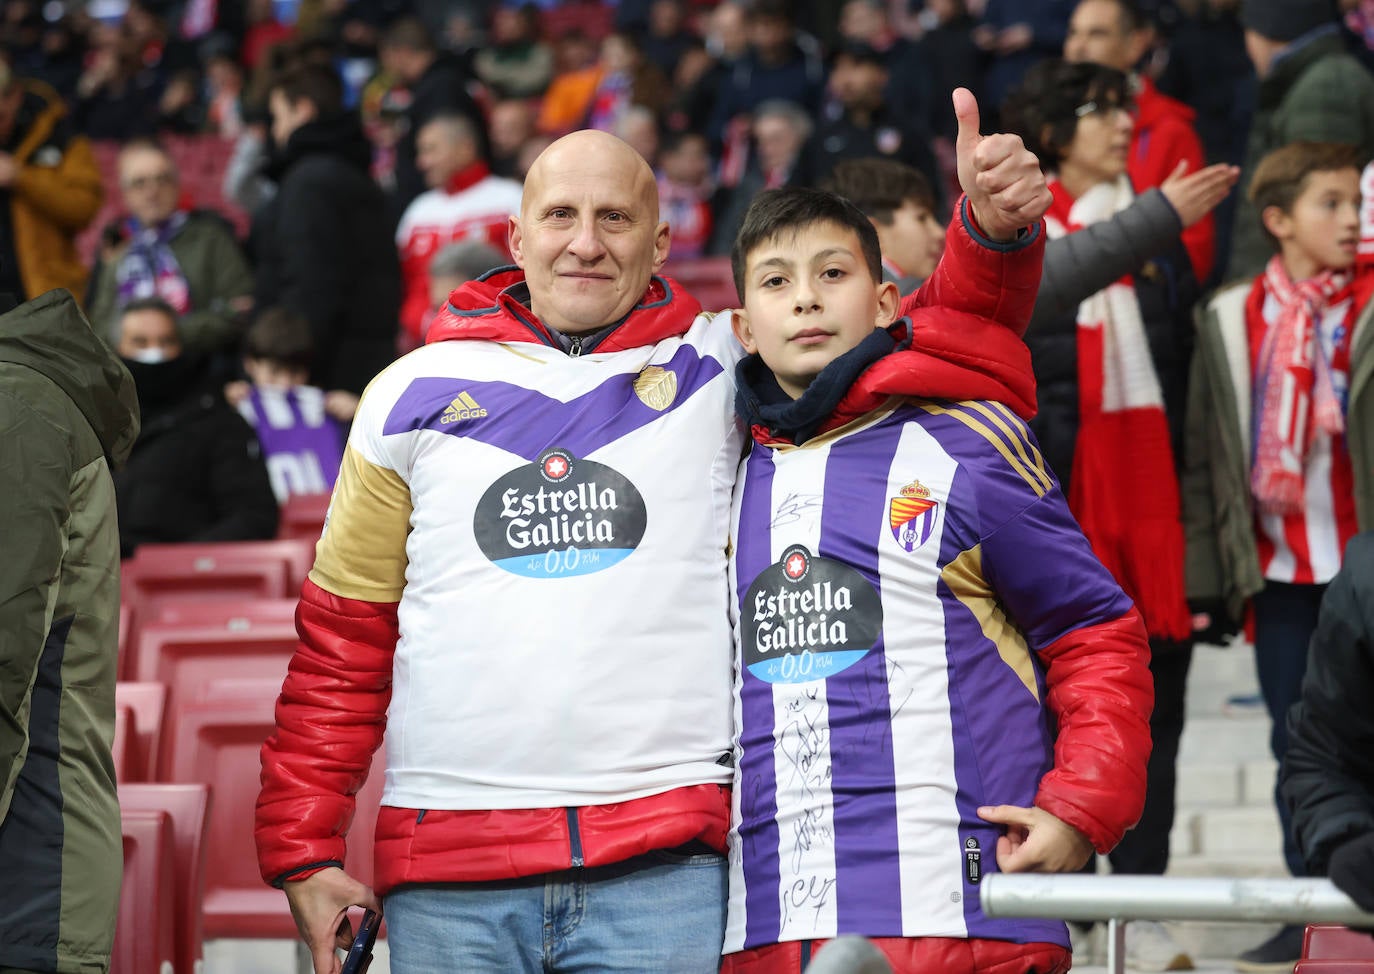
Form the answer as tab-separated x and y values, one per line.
496	307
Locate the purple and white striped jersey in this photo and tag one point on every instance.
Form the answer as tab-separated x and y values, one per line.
892	583
301	443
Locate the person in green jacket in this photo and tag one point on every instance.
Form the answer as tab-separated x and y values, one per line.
67	413
1310	90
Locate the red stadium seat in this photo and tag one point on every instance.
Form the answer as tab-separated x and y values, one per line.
145	934
1330	941
595	20
1334	967
189	808
220	612
708	279
122	750
302	516
216	740
229	570
146	704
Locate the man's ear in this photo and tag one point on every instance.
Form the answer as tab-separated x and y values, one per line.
739	324
514	239
889	300
663	242
1278	223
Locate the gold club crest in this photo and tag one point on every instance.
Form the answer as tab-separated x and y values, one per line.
656	387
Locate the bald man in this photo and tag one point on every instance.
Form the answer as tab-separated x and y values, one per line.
522	591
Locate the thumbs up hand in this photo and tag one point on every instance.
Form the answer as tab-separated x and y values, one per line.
1000	176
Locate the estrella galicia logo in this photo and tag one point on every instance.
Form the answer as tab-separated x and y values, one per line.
559	516
807	618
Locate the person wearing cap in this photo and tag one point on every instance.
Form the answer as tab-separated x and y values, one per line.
1310	90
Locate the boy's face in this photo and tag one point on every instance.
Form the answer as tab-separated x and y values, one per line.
273	375
1322	230
914	241
809	298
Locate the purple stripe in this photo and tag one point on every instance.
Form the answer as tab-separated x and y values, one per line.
867	872
582	426
758	775
1002	741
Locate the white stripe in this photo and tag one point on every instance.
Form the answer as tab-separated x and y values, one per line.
1323	538
801	733
930	856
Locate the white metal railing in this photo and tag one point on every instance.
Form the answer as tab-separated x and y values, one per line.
1117	899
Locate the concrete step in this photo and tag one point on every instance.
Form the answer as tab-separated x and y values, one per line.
1224	740
1209	784
1228	832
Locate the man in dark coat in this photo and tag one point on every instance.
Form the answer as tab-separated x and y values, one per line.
1328	772
196	472
324	242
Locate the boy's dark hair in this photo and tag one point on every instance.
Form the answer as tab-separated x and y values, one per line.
791	209
314	83
1281	176
880	187
1043	109
152	304
1133	15
281	337
674	139
409	34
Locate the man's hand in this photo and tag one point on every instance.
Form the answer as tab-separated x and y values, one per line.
1000	176
1036	841
319	905
1193	195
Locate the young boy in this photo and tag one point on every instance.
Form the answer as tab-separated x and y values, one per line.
299	426
1280	459
899	202
936	678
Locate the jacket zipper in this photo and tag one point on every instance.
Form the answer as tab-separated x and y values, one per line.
574	838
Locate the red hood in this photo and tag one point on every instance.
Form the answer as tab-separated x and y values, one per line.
952	355
1152	106
493	308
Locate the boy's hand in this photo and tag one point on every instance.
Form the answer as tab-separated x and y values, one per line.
1000	176
1036	841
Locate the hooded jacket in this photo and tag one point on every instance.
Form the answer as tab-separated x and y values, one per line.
324	249
67	412
498	468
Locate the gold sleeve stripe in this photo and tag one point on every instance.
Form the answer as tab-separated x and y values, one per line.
362	553
964	576
1033	479
1020	425
1028	454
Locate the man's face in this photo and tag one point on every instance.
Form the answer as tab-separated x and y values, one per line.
914	241
857	83
440	152
148	336
777	140
588	234
512	122
809	297
1097	33
861	21
287	117
148	182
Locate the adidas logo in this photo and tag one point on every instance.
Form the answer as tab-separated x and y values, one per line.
464	407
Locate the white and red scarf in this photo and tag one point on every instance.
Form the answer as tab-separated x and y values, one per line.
1294	393
1124	488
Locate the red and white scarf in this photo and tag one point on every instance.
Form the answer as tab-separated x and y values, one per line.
1294	394
1124	488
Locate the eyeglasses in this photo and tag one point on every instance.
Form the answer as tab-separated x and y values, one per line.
1103	110
151	180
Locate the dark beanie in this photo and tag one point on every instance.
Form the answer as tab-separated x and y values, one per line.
1285	20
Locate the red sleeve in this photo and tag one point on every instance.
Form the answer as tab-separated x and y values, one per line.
415	281
1100	691
1172	141
983	276
330	718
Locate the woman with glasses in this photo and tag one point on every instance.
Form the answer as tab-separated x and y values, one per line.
1111	342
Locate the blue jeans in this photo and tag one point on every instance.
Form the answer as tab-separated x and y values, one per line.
1285	618
658	912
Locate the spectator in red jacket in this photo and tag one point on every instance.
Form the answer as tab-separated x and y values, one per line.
1118	34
